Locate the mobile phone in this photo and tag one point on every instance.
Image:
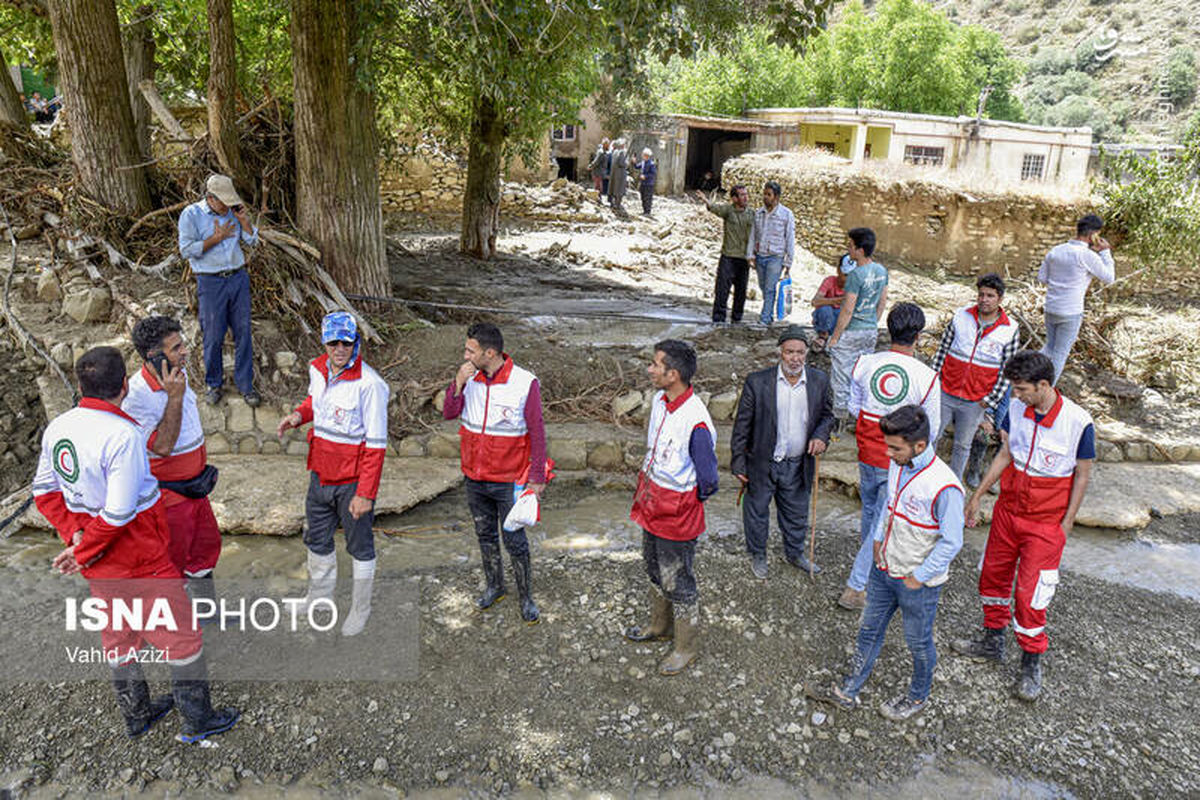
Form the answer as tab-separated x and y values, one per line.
237	209
159	360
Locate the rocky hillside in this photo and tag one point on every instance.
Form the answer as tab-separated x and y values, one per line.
1128	68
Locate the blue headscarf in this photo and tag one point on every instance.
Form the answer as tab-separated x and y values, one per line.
340	326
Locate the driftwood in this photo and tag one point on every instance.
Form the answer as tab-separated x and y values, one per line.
154	99
182	204
332	299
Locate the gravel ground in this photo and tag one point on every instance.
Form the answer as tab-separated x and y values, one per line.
568	706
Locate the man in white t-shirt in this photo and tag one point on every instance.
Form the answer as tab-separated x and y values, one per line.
1067	270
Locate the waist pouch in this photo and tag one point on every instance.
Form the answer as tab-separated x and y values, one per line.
196	487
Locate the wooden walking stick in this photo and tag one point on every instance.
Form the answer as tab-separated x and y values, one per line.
812	514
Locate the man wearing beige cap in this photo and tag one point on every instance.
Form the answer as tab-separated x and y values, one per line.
211	234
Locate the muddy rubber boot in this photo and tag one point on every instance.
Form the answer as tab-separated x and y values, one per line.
200	587
687	639
524	573
360	604
322	578
661	625
987	647
189	684
493	570
133	698
1029	685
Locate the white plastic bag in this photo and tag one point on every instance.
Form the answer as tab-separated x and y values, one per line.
525	513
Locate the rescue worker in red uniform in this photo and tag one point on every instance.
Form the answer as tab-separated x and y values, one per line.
970	359
678	474
347	406
94	485
1047	448
164	407
502	441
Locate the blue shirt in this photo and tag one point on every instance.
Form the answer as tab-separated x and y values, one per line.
704	458
947	509
867	282
197	223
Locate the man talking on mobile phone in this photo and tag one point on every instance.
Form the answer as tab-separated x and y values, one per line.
211	234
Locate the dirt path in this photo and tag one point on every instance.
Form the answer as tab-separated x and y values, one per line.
569	705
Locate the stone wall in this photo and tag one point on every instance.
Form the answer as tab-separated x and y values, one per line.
919	224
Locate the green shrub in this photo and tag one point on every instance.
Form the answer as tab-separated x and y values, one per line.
1051	89
1051	61
1178	79
1076	111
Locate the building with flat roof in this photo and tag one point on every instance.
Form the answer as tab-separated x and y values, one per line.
688	145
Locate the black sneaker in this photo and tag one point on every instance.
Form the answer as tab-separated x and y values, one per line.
252	398
803	564
901	708
758	565
214	395
833	695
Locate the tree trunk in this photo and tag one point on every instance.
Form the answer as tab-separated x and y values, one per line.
337	152
139	65
481	204
104	144
222	91
11	110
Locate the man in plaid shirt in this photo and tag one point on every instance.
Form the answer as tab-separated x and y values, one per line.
978	342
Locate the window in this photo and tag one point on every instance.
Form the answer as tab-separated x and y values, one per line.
924	156
1032	167
563	133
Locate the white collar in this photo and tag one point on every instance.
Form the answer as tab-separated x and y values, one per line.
779	376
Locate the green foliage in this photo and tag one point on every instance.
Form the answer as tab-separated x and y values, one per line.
1046	90
907	56
1179	75
1156	203
755	74
1051	61
538	61
1076	111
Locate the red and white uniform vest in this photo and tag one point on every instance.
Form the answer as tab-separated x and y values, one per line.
93	475
146	403
911	530
973	363
666	502
889	380
348	438
493	437
1037	484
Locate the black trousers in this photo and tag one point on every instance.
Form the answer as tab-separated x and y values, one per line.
787	484
731	272
325	508
490	503
647	197
671	567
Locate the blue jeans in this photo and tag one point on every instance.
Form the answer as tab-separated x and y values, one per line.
224	305
1061	333
966	416
769	268
918	606
872	488
824	319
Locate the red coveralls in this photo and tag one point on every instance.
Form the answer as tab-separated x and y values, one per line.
1026	536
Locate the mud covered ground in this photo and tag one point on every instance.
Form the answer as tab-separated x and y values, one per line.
570	707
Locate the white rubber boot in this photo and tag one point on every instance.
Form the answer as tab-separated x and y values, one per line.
360	607
322	578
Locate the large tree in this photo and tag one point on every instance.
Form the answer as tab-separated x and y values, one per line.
498	73
337	145
11	110
104	144
222	90
138	44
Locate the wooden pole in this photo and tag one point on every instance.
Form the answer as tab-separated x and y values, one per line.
812	515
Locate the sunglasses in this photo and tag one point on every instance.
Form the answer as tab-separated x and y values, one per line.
339	343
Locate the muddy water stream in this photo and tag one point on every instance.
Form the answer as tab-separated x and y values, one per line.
581	518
